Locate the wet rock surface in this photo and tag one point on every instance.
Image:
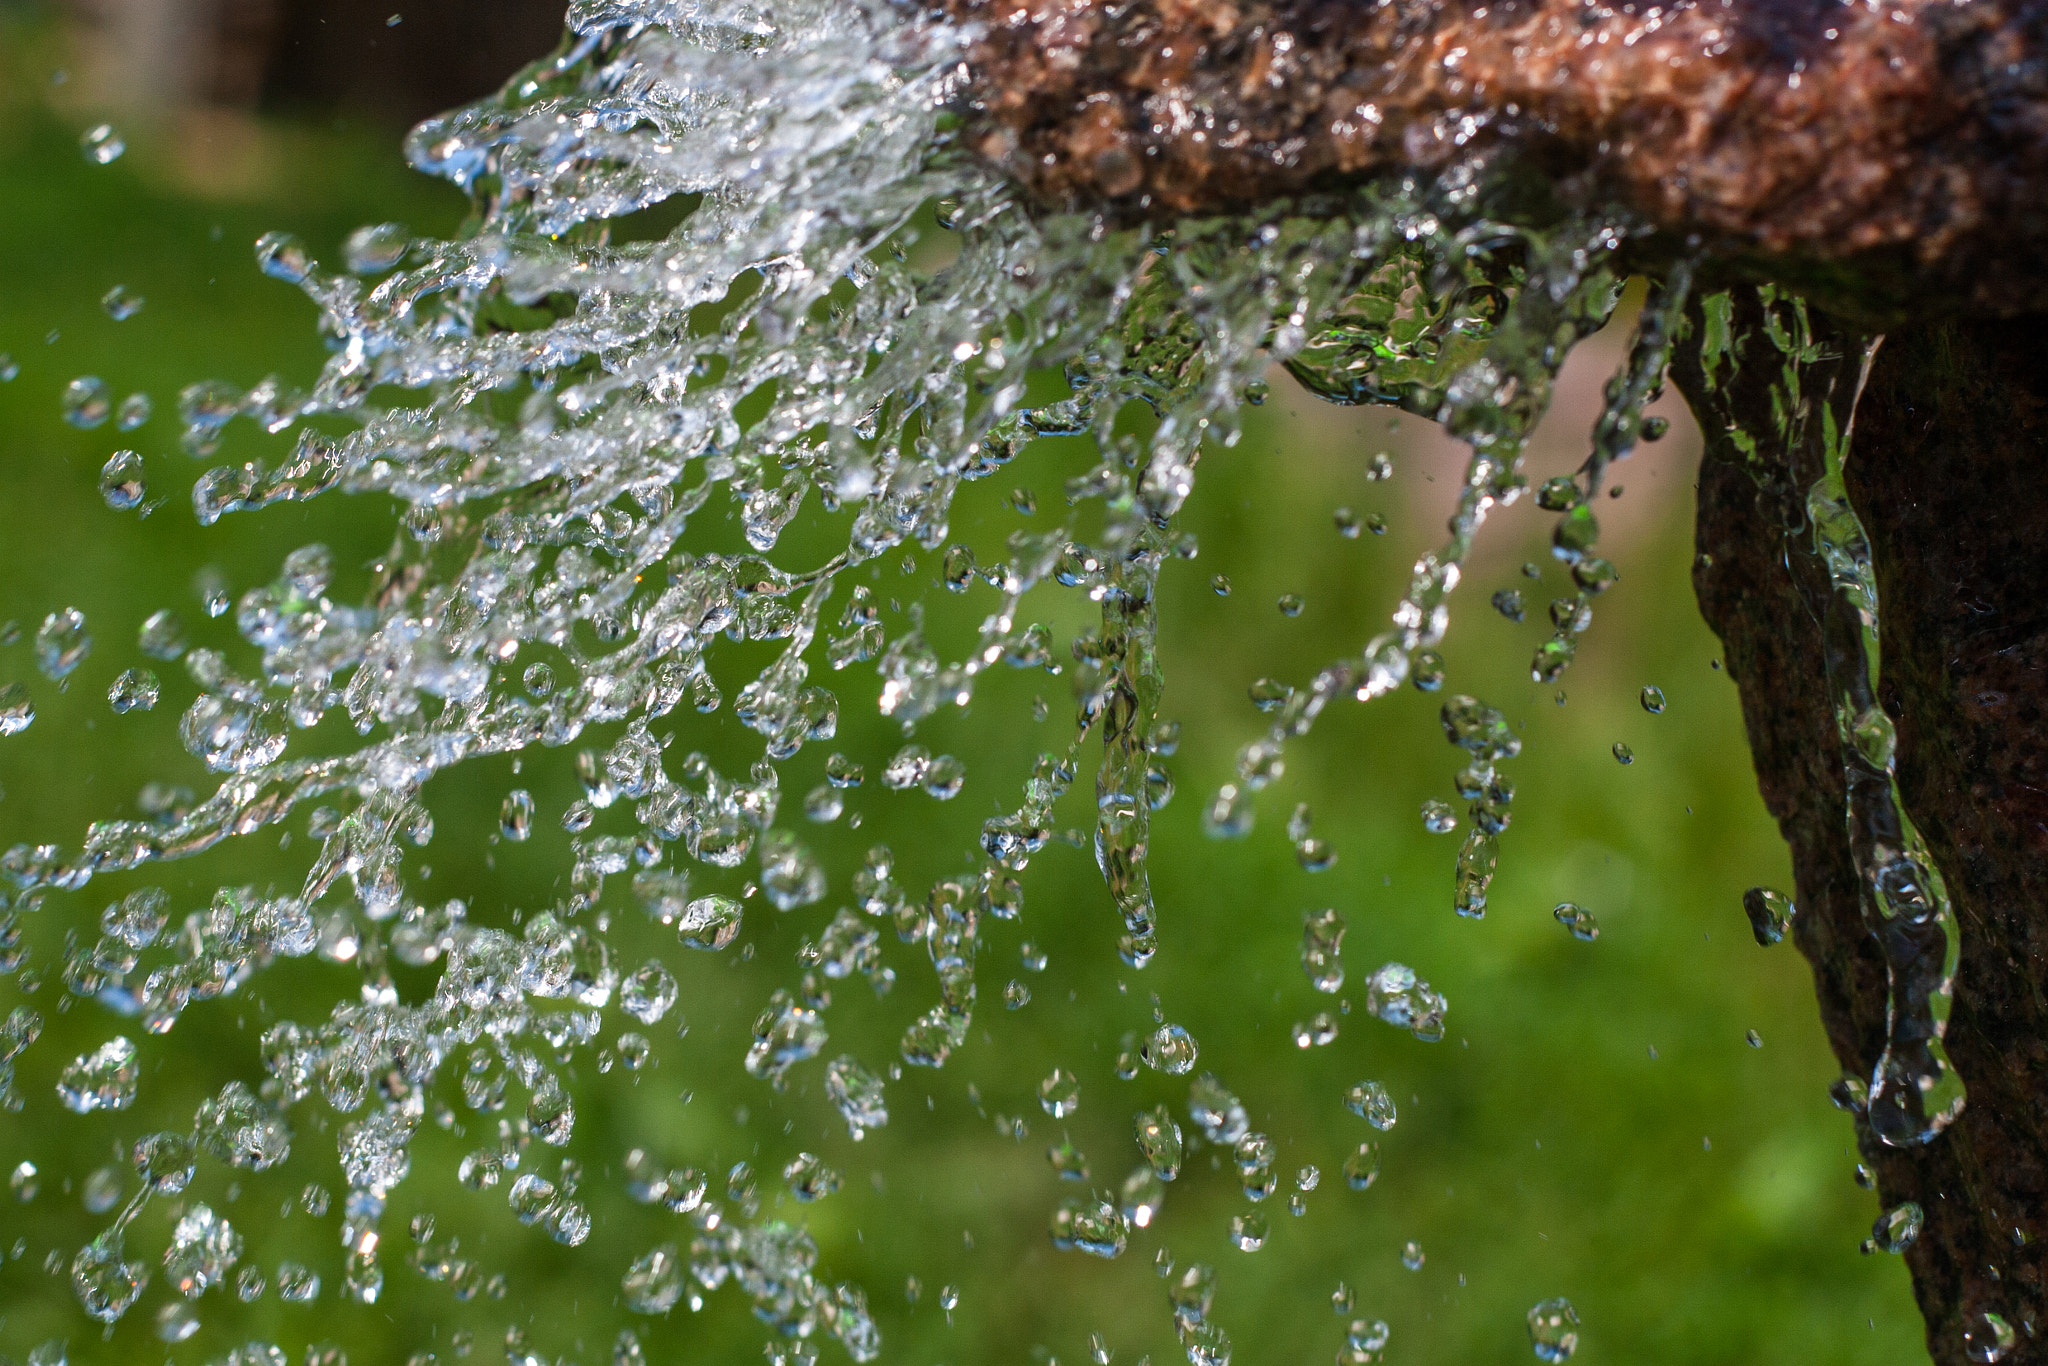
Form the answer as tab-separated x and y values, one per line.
1959	562
1906	142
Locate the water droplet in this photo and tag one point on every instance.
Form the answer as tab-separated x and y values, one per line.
162	635
374	249
203	1248
1322	940
1221	585
133	411
121	481
857	1094
1362	1168
1169	1049
1770	914
654	1282
105	1282
1653	701
297	1284
104	1079
102	1190
709	922
1578	920
176	1322
1365	1342
1898	1227
24	1181
1094	1225
809	1178
1216	1112
17	710
823	804
1248	1230
1411	1255
1508	602
1060	1094
515	817
1438	817
1396	995
1316	1031
1380	467
87	403
1554	1330
1348	525
648	992
165	1162
1623	754
282	256
1159	1140
1989	1338
121	303
134	690
1290	604
101	144
62	643
1370	1101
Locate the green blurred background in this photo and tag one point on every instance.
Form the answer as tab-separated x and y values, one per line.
1594	1124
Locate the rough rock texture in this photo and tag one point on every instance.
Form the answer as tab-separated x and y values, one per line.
1946	472
1904	140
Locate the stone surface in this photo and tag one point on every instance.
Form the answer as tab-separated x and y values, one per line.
1904	140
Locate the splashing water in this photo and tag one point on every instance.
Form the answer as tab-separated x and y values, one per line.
849	323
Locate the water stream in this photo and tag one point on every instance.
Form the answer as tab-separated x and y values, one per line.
842	323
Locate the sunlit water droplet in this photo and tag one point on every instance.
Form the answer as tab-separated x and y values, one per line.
1770	914
121	481
1554	1330
105	1079
1653	701
133	690
1578	920
62	643
1060	1094
87	402
1897	1228
1170	1049
121	303
1370	1101
17	709
101	144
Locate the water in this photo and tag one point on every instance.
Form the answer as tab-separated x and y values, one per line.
633	483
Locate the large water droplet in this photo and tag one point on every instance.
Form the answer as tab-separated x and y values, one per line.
101	144
1554	1330
1770	914
104	1079
121	481
17	709
62	643
1169	1049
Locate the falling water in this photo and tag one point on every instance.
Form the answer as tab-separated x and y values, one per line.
849	322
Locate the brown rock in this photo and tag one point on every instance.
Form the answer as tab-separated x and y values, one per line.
1905	139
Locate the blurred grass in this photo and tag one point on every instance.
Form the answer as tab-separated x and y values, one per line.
1593	1125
